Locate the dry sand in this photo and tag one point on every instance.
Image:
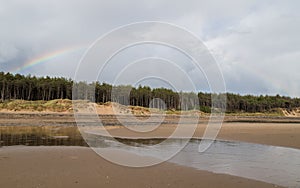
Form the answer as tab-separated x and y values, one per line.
54	166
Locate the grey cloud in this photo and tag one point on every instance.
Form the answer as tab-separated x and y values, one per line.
7	52
267	50
248	37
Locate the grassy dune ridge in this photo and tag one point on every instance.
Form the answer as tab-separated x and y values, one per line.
59	105
66	106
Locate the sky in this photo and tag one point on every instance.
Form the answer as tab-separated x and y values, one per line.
255	43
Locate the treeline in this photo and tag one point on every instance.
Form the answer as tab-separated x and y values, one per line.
45	88
33	88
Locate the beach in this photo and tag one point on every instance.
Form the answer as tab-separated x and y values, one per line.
79	166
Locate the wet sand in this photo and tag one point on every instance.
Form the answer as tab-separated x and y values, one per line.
276	134
72	166
26	166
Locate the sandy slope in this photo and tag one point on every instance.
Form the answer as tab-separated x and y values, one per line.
291	113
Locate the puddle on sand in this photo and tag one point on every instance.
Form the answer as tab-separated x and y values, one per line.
271	164
40	136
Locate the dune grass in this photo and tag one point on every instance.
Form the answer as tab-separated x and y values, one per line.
58	105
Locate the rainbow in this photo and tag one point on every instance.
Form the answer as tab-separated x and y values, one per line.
281	88
49	56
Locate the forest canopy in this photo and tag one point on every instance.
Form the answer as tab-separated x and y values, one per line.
16	86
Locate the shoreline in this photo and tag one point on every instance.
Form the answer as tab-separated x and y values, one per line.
278	133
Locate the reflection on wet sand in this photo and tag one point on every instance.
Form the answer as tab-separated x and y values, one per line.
40	136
